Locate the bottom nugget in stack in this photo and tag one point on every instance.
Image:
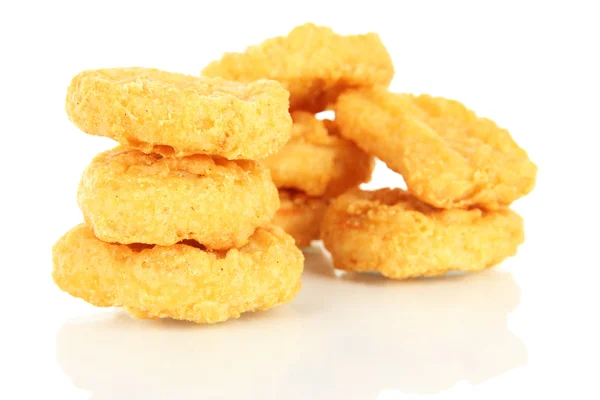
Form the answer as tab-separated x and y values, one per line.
183	281
178	234
315	166
396	234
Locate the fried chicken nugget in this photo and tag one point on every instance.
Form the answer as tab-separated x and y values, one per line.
127	196
301	216
312	62
317	160
448	156
391	231
170	113
183	281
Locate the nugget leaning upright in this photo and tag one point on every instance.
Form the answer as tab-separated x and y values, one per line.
176	219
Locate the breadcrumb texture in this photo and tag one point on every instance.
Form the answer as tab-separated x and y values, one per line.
182	281
314	63
176	114
301	216
131	197
317	160
392	232
448	156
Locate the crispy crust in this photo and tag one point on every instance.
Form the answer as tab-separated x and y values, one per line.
390	231
130	197
176	114
300	216
448	156
180	281
312	62
318	161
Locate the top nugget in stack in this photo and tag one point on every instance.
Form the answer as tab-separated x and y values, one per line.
176	217
461	171
315	64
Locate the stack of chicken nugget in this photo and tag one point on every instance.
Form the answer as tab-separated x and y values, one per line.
314	64
462	171
177	216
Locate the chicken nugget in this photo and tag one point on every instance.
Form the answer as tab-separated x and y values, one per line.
300	216
448	156
183	281
176	114
317	160
131	197
394	233
314	63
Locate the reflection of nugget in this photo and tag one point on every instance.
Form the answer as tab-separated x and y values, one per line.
392	232
300	216
317	161
163	112
127	196
182	281
313	63
447	155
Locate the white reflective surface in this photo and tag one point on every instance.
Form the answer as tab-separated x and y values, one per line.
347	336
526	329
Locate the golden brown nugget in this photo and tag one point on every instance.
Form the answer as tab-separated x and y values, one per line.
183	281
301	216
448	156
131	197
391	231
176	114
312	62
318	161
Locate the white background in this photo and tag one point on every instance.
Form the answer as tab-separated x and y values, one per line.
528	327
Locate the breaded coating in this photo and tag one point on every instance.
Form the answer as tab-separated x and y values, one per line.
317	160
391	231
300	216
183	281
314	63
131	197
176	114
448	156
